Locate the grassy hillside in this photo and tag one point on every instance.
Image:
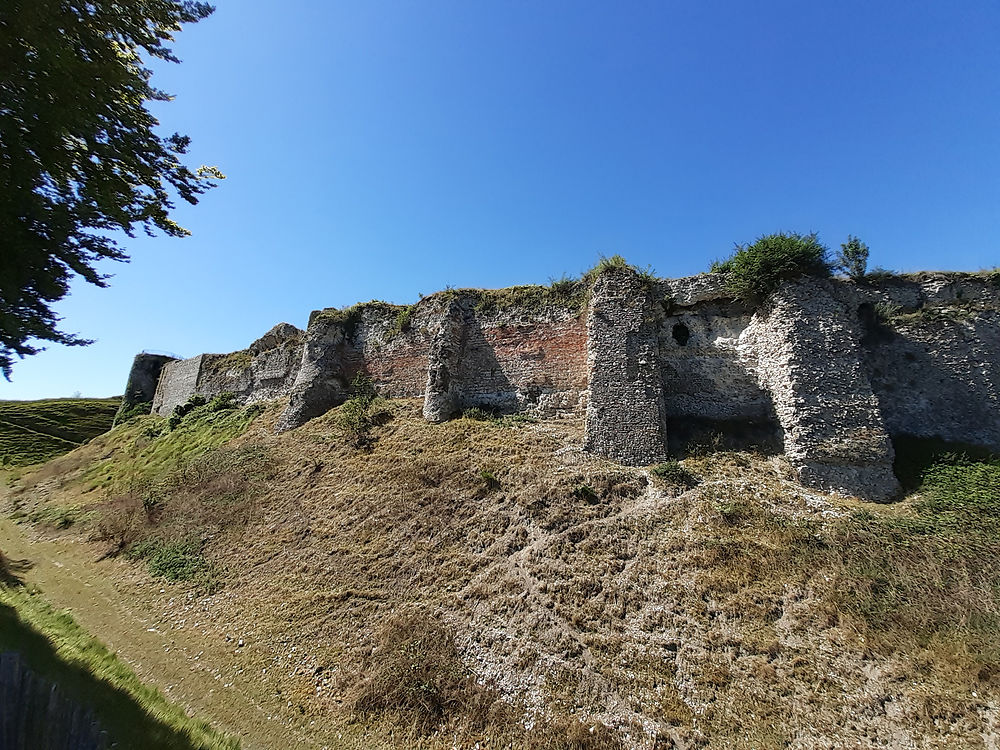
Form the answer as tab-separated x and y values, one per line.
35	431
402	584
56	649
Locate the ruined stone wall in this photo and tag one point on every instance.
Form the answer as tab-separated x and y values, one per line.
263	371
178	382
451	350
932	351
626	419
803	345
143	379
710	396
826	370
518	360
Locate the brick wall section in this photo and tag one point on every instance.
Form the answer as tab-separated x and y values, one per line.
625	414
803	346
519	363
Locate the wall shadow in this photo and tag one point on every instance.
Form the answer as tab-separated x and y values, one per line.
48	702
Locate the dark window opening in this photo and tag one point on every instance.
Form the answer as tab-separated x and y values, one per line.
681	333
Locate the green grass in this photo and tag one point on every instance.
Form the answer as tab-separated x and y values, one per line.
755	271
35	431
144	448
57	649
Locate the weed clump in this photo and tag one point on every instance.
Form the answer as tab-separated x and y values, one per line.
755	271
415	677
673	473
182	410
361	413
174	561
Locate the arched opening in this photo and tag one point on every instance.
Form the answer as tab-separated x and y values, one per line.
681	334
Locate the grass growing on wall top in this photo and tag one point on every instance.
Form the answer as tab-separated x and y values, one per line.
35	431
755	271
56	648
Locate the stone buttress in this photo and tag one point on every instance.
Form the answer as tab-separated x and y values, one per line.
625	412
803	345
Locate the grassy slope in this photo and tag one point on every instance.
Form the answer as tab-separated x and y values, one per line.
35	431
739	612
132	713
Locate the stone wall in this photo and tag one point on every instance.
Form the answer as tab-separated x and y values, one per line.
932	352
803	346
143	379
453	350
626	419
263	371
178	382
826	370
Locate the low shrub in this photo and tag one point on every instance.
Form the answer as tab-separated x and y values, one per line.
672	472
131	412
175	561
182	410
223	402
755	271
479	414
361	413
403	320
489	480
586	493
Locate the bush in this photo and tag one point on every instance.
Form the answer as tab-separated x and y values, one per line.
673	473
403	320
135	410
359	414
223	402
182	410
852	258
175	561
479	414
755	271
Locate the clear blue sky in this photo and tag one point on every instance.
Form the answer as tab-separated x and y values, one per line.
383	149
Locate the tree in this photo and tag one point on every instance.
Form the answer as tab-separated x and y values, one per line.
79	158
852	258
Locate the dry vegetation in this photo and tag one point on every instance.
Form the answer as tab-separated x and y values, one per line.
484	581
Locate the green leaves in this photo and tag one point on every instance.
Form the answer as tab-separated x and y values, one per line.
753	272
79	157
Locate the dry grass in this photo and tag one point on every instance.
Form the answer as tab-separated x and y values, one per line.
456	583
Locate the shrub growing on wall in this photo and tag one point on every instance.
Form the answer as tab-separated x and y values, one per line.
755	271
852	258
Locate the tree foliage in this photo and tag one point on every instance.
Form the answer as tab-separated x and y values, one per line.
755	271
79	158
852	258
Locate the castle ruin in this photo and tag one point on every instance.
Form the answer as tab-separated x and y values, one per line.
829	371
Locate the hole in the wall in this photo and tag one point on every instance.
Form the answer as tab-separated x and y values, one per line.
681	333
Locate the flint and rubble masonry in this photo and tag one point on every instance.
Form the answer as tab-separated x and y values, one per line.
831	369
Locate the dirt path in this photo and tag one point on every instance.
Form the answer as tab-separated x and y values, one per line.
196	672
